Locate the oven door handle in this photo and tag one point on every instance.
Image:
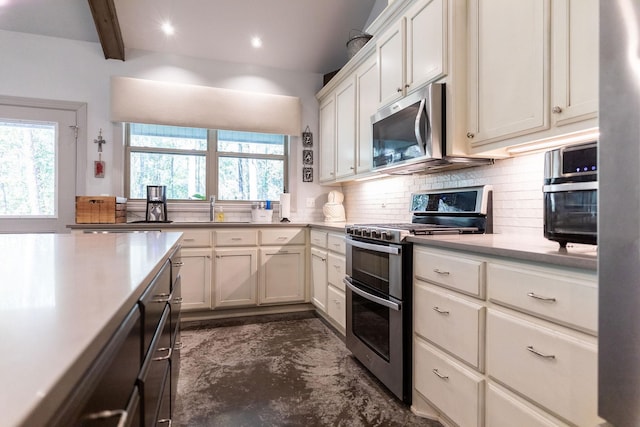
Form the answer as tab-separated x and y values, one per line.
389	304
373	247
570	186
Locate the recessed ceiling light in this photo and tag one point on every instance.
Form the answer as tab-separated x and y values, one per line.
168	29
256	42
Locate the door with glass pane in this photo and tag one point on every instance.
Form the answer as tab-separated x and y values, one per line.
38	169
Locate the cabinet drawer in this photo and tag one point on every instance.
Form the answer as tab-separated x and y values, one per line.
235	237
450	322
506	410
153	302
557	371
454	389
336	307
318	238
282	236
335	242
195	238
548	293
451	270
336	270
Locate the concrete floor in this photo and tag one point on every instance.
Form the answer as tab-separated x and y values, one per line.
281	371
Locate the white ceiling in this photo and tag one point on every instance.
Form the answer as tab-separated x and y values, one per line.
301	35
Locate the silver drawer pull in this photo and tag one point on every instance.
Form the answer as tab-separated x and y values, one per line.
109	414
178	346
169	350
178	264
537	353
160	298
191	239
438	271
541	298
282	238
177	301
446	313
166	421
443	377
236	239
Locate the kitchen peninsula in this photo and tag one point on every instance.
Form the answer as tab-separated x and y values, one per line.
65	298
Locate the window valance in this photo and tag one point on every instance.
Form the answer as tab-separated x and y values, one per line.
154	102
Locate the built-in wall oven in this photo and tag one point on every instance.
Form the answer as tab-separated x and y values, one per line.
379	268
571	194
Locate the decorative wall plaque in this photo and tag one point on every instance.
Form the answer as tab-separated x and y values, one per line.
307	157
307	174
307	137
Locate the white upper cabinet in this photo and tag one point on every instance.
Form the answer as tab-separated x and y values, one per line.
413	51
508	58
366	106
346	128
327	142
574	49
532	71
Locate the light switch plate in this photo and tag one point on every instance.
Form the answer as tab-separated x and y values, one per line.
311	202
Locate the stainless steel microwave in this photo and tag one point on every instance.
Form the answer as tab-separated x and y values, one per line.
410	130
571	194
409	135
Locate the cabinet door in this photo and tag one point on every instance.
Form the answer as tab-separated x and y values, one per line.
282	274
236	272
390	49
327	139
574	27
508	69
336	306
345	128
319	278
367	105
426	42
196	279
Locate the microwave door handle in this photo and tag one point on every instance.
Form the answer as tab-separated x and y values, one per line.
366	295
417	130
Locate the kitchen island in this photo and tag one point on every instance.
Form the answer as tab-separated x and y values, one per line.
64	297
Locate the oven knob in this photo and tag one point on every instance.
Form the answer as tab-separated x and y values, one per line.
348	230
366	233
357	231
375	234
385	236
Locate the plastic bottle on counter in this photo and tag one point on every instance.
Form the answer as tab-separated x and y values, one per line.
219	214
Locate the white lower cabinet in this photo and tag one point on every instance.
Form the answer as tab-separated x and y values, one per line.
319	278
236	277
554	369
336	306
505	409
196	278
281	274
525	357
454	389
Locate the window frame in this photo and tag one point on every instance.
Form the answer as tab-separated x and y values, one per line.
212	156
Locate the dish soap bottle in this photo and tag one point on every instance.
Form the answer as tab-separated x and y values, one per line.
219	214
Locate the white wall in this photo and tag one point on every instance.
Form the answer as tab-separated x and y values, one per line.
517	198
68	70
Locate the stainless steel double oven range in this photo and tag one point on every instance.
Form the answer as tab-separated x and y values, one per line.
379	278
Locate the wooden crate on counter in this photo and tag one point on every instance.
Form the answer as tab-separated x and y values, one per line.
100	210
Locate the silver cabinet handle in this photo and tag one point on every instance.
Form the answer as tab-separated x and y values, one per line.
443	377
109	414
470	135
446	313
399	89
282	238
177	301
236	239
178	346
438	271
160	298
188	239
169	350
319	257
178	264
556	110
537	353
541	298
166	421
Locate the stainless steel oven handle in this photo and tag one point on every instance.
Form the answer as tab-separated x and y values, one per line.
373	247
389	304
572	186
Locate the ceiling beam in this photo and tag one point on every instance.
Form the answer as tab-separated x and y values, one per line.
106	20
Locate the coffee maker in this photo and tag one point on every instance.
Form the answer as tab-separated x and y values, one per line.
156	203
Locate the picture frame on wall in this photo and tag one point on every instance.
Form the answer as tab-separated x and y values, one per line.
307	157
307	138
307	174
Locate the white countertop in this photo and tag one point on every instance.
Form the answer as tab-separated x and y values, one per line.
63	296
526	248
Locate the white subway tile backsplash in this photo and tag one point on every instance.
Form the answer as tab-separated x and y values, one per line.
517	197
